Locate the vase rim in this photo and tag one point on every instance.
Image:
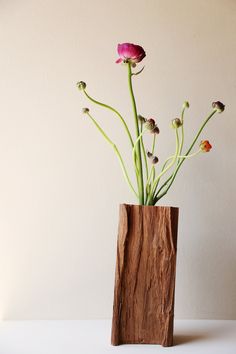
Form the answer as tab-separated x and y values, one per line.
151	206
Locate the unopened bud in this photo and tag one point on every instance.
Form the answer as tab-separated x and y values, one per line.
155	160
81	85
218	106
186	104
156	130
85	110
150	124
176	123
141	119
149	154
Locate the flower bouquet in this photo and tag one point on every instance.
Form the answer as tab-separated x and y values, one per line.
143	309
151	184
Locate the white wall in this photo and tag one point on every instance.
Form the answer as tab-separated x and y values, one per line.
60	183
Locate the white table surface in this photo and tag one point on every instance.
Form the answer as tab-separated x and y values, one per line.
93	337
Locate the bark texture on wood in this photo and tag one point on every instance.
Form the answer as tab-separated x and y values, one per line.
143	309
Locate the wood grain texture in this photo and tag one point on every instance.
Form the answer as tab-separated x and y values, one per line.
143	309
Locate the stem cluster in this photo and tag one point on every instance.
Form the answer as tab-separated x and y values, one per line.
150	187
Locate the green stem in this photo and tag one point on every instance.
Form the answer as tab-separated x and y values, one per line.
180	151
153	143
134	151
163	186
139	159
113	110
144	153
166	168
152	172
158	197
139	72
182	131
189	156
148	185
117	153
182	157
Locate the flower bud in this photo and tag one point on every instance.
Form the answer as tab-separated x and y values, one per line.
155	160
150	124
81	85
155	130
218	106
205	146
85	110
149	154
176	123
186	104
141	119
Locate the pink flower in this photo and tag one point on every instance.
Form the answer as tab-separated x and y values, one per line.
130	52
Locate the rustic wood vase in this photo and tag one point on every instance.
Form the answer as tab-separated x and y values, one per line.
143	309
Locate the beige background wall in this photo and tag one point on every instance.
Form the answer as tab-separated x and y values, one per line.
60	183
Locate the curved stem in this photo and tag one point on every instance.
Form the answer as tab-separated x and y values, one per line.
152	173
187	153
163	186
139	72
113	110
191	155
180	151
182	131
182	157
139	159
117	153
166	168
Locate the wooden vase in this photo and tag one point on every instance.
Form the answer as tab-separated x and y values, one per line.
143	309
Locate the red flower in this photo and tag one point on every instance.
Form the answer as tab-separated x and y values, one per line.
130	52
205	146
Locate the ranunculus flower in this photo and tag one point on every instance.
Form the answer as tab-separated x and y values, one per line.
130	52
205	146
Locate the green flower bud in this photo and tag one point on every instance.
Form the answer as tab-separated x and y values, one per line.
176	123
220	107
81	85
186	104
85	110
